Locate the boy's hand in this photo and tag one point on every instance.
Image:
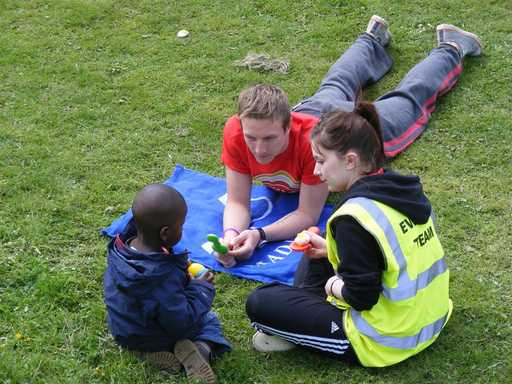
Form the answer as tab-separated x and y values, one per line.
318	248
208	277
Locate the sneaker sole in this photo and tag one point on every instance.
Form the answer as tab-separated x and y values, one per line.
166	361
196	367
451	27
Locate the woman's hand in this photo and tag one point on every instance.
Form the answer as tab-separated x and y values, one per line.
318	248
334	286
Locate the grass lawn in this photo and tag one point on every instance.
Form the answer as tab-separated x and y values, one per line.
98	98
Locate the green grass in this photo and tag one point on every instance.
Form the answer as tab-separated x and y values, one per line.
98	98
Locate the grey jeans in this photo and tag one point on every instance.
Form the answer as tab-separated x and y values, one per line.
404	112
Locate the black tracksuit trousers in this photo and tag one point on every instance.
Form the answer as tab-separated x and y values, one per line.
301	314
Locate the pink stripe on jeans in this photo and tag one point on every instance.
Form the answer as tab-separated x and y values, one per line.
426	109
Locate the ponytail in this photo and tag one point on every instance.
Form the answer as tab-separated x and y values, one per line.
358	130
368	112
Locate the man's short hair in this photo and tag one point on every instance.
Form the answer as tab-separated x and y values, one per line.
264	101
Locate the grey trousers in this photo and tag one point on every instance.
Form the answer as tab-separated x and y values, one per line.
404	112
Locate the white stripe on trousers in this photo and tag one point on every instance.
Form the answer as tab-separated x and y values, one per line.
337	346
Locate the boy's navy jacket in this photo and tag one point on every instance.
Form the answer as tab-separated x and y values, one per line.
151	300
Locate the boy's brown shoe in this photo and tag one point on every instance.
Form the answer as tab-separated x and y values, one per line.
196	365
163	360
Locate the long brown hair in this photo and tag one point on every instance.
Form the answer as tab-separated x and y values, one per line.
358	130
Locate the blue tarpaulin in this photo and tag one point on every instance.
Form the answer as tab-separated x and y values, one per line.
206	196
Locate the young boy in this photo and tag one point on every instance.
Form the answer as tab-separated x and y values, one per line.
153	305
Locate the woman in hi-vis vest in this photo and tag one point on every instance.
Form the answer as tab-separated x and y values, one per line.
374	291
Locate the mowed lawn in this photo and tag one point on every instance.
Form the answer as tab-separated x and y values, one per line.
98	98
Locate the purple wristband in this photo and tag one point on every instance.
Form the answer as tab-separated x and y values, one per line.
231	229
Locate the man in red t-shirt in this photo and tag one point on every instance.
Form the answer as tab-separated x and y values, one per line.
268	143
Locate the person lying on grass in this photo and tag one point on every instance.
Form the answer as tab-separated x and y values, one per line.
155	309
268	143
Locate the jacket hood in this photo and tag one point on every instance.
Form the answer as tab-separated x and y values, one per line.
403	193
137	273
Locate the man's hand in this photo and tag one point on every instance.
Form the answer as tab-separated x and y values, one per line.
318	248
225	259
228	237
243	245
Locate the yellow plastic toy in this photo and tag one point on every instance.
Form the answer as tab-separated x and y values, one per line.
197	270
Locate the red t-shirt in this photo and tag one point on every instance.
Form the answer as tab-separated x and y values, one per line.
286	171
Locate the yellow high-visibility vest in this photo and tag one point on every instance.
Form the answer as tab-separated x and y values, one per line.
414	304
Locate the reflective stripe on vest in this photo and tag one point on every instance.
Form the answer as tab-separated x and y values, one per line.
407	342
406	288
414	304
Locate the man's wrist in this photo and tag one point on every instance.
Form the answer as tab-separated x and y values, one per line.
261	234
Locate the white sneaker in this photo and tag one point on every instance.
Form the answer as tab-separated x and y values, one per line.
268	343
378	28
